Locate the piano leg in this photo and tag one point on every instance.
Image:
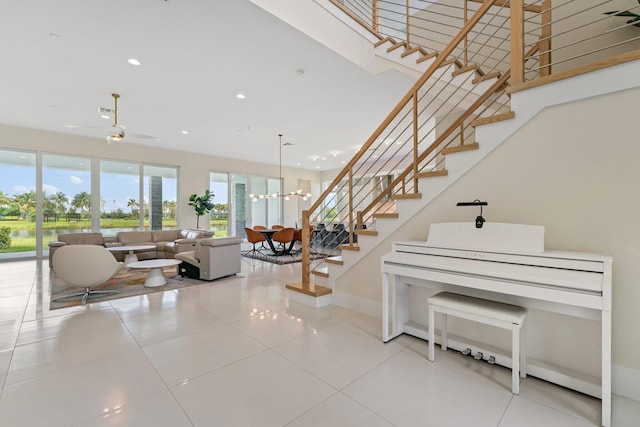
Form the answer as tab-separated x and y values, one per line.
606	368
395	306
385	308
515	359
432	334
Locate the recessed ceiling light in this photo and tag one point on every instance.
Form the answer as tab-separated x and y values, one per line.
185	132
133	61
54	36
240	95
104	116
71	126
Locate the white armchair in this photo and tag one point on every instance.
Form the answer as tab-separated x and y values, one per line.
212	259
84	266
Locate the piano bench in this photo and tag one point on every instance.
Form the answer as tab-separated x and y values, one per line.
492	313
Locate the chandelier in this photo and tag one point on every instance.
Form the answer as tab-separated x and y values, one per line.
286	196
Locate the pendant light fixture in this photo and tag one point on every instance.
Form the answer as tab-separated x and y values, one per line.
285	196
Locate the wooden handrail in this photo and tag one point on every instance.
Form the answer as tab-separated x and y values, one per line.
405	99
459	122
506	3
467	113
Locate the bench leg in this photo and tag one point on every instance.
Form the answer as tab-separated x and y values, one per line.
515	359
432	333
443	333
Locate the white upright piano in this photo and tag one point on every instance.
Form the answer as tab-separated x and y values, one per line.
506	263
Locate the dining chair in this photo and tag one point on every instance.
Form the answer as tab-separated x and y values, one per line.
283	237
259	227
254	238
277	227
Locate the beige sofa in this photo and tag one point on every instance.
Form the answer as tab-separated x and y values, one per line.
212	259
167	243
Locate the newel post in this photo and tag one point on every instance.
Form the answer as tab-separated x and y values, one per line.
517	41
306	250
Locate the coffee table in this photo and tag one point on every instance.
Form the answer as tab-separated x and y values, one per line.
131	256
155	276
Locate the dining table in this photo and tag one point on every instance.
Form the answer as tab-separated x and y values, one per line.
268	234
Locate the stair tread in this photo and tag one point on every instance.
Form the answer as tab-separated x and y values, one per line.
396	46
493	119
364	232
413	50
386	215
349	247
495	74
384	40
407	196
465	69
321	271
426	57
442	172
334	260
459	148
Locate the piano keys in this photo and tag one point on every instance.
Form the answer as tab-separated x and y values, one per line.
505	263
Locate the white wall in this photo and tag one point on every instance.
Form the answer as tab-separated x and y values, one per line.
573	169
194	168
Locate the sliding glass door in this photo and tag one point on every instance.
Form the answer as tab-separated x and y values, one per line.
17	204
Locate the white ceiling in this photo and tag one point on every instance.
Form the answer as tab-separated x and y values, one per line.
62	59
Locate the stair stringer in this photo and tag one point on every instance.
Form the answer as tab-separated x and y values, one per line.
526	105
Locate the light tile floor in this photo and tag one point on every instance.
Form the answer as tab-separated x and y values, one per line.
237	352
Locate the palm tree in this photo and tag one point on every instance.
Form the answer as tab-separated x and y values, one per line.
27	203
82	201
5	200
48	205
60	201
134	205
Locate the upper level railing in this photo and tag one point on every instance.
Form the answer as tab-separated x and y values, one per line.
477	51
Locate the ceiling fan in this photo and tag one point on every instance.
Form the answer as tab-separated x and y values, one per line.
117	132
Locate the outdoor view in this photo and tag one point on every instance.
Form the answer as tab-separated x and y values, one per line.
129	196
68	201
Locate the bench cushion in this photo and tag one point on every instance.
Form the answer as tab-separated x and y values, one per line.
480	307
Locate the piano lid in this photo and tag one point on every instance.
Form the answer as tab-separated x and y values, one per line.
492	237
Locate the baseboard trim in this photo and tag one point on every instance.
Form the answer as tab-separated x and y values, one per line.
358	304
625	382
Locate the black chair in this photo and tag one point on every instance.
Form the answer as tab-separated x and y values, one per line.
339	235
320	234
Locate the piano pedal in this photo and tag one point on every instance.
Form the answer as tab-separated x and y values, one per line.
478	356
466	352
491	360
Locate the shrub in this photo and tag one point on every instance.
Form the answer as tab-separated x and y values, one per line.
5	237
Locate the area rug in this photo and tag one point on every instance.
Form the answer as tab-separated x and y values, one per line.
281	259
128	282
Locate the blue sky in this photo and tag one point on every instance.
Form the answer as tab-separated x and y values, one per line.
115	189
